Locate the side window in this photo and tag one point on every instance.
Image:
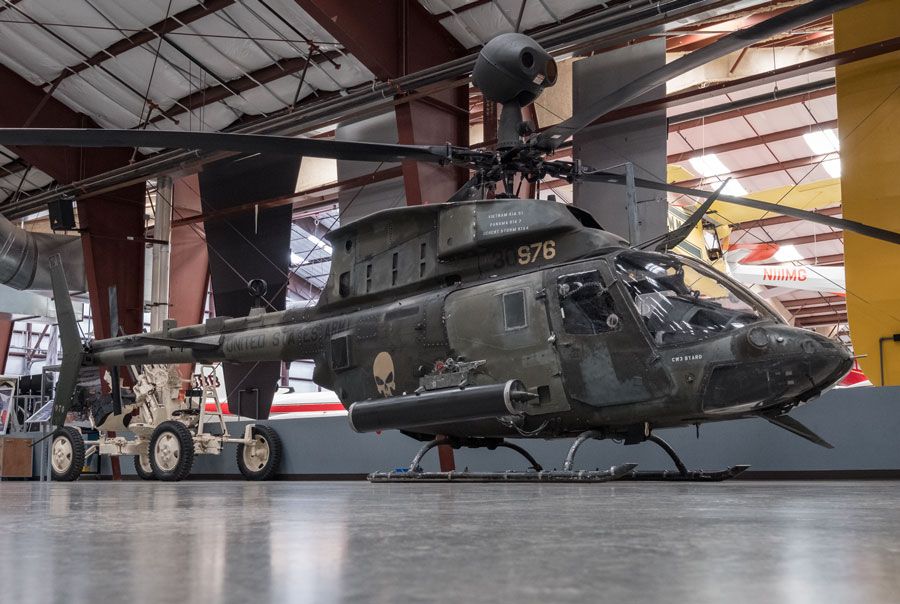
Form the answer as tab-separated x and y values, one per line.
514	310
586	306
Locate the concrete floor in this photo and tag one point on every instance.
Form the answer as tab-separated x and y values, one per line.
104	542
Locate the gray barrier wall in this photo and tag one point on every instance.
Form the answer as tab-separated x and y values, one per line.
862	423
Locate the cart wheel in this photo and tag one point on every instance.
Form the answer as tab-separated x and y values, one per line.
260	459
66	454
171	451
142	466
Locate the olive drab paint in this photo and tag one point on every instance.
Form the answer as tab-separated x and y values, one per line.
441	297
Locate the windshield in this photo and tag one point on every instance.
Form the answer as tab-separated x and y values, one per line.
681	301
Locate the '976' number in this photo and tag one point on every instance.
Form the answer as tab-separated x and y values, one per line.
530	253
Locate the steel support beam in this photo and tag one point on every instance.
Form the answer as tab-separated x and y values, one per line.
188	258
390	37
214	94
800	162
721	113
830	236
313	196
821	320
752	141
571	33
112	224
775	220
151	32
393	38
162	232
868	106
6	331
817	311
817	301
826	260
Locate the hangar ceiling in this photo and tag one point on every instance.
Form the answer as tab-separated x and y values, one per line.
230	64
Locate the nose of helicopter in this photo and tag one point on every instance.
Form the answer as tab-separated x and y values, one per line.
829	361
774	365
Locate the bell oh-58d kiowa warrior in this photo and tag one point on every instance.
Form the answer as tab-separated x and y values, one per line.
481	321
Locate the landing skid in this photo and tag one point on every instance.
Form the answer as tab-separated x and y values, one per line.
682	474
613	473
538	474
689	476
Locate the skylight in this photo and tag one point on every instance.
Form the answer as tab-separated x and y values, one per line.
823	142
709	165
833	167
318	242
734	187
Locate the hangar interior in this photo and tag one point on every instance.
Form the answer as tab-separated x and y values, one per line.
152	238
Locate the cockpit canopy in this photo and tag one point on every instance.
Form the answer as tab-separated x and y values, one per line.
682	301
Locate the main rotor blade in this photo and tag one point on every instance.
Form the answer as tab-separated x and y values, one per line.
838	223
552	138
223	141
669	240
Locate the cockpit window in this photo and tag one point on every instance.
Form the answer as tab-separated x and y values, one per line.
585	304
681	301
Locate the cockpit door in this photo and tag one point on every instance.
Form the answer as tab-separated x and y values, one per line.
604	356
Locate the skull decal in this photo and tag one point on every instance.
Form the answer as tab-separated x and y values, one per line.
383	370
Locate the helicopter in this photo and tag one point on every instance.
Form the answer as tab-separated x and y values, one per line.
476	321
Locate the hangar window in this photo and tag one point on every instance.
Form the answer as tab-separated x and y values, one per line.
585	304
514	310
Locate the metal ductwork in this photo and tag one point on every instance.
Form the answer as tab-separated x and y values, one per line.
25	258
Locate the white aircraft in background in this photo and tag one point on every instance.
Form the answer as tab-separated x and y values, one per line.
288	403
781	277
807	277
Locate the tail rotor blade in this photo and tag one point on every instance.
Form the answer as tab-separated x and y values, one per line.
69	337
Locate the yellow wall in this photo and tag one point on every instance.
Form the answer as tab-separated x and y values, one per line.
868	95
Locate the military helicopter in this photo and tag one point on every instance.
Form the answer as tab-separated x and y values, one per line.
486	320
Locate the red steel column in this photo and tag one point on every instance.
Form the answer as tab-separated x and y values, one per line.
112	224
6	331
188	260
393	38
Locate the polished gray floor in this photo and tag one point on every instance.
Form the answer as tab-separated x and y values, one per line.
105	542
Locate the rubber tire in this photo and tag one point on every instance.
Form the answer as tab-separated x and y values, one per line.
139	469
77	443
268	471
185	459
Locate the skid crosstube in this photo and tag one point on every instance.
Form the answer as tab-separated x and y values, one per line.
531	476
689	476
